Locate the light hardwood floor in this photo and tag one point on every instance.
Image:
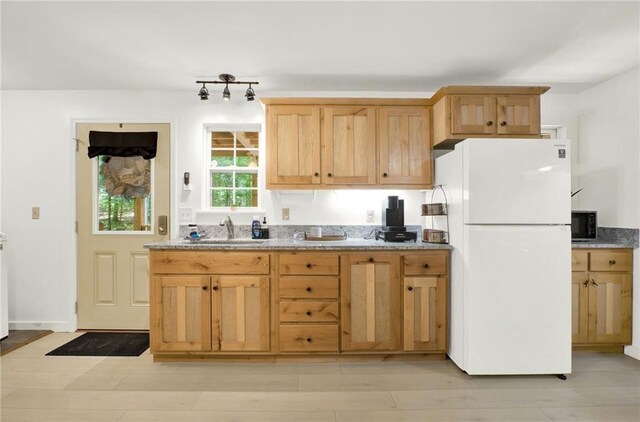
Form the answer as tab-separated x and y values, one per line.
40	388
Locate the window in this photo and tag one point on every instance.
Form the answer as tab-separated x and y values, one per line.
233	169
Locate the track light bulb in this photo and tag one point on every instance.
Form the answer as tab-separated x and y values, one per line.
204	93
250	94
226	94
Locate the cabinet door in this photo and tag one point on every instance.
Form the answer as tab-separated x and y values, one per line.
293	145
579	307
610	308
349	142
241	313
473	114
370	302
425	313
405	146
519	115
181	313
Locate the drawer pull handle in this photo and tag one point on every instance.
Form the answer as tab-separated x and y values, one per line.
309	266
309	289
410	288
308	313
426	265
309	339
371	259
204	288
612	262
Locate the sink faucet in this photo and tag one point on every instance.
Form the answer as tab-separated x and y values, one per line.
227	222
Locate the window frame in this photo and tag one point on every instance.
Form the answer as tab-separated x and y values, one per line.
208	171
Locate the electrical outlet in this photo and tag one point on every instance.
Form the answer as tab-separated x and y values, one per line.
285	214
371	214
186	214
35	213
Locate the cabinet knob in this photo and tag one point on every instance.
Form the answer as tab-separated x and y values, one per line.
215	287
309	339
205	288
309	289
309	265
316	174
385	175
308	313
612	262
329	174
410	288
503	123
426	265
489	123
586	283
371	259
594	282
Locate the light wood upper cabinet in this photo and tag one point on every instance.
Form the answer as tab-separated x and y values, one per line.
181	313
518	115
461	112
293	145
471	114
349	145
404	146
240	316
579	307
425	313
610	308
370	302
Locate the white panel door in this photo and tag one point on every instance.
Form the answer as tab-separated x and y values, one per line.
518	287
517	181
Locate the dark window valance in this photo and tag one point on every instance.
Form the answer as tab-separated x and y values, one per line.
123	144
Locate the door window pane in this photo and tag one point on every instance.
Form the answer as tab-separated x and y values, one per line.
124	194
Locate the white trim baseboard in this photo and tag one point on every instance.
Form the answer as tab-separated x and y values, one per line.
56	326
633	351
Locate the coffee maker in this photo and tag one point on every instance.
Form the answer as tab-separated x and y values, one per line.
393	228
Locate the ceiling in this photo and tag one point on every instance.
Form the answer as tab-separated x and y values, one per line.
316	46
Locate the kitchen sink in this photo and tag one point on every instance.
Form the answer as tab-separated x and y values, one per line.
226	242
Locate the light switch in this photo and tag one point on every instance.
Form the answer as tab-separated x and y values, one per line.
35	213
285	214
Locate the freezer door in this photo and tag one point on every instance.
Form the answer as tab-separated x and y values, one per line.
517	181
518	291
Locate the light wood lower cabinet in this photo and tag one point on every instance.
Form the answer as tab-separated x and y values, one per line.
425	313
601	297
370	302
181	313
241	313
328	302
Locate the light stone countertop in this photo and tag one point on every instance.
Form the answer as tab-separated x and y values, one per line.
605	244
290	244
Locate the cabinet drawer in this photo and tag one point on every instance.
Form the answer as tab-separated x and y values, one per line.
308	338
579	260
204	262
610	261
425	264
296	311
309	264
308	287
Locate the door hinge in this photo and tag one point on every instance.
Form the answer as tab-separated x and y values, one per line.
76	307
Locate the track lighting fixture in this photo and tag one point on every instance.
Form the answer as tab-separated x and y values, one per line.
227	79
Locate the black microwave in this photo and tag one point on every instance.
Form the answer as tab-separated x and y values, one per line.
584	225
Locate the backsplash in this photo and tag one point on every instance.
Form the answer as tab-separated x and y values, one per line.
618	235
287	231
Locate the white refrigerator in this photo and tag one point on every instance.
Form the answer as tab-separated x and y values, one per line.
509	225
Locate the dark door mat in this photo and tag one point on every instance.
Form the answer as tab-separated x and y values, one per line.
104	344
19	338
